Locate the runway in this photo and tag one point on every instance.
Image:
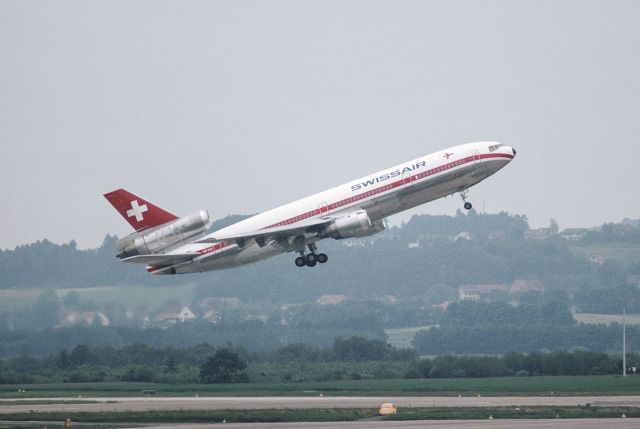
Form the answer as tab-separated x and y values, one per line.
431	424
306	402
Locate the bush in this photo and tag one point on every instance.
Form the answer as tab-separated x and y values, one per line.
138	373
223	367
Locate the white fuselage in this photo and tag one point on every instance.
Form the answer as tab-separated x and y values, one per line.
380	194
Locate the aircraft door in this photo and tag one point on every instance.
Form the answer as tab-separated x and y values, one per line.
476	155
407	180
323	209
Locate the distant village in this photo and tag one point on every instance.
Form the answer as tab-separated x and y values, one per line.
211	309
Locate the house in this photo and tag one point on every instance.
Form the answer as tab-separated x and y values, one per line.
212	316
478	292
331	299
521	286
573	234
596	259
464	235
172	318
497	235
537	234
443	305
259	317
285	307
352	243
89	318
390	299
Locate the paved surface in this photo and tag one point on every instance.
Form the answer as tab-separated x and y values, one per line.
432	424
297	402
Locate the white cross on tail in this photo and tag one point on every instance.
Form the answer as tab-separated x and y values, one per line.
137	210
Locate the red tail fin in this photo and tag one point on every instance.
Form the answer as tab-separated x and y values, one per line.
140	213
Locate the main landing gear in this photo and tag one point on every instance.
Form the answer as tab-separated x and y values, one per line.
312	258
467	204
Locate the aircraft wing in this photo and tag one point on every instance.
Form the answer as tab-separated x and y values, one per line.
166	259
299	228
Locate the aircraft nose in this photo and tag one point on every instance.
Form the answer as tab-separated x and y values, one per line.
514	151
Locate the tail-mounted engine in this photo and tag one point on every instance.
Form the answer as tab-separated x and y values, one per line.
155	239
357	224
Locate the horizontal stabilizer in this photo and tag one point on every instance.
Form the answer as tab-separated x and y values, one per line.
167	259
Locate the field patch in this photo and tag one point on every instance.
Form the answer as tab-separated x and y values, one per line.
328	415
498	386
124	295
402	337
606	319
627	253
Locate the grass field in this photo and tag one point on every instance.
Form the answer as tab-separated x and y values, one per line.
627	253
325	415
499	386
578	412
46	402
402	337
139	295
129	295
199	416
606	319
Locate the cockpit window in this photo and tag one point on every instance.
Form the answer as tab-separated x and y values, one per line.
495	147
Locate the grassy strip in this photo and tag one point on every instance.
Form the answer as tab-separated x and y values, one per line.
200	416
498	386
327	415
40	425
45	402
542	412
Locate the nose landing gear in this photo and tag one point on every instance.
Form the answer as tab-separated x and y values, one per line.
311	258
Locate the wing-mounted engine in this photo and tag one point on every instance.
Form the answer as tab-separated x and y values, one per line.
161	237
356	224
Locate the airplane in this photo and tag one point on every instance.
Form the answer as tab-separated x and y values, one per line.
168	244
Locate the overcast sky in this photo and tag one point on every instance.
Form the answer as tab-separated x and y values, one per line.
240	106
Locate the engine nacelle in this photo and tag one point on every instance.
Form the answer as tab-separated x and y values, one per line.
357	224
160	237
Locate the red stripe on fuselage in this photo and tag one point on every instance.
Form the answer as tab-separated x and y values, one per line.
213	248
387	187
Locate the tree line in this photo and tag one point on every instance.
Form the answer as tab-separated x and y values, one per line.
203	362
579	362
353	358
497	253
538	323
494	338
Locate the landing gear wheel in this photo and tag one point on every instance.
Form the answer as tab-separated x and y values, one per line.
322	258
463	194
300	261
311	260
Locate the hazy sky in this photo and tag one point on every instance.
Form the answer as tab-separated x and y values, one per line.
240	106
